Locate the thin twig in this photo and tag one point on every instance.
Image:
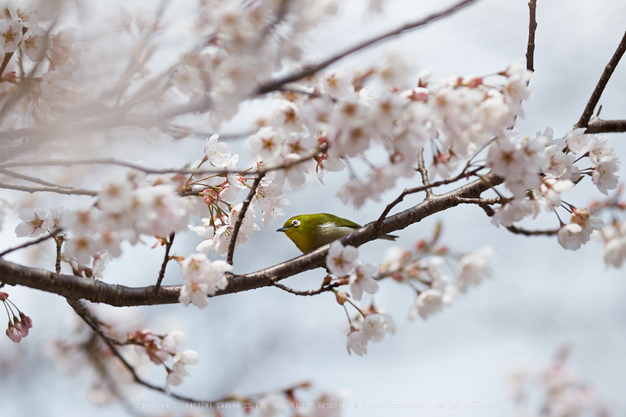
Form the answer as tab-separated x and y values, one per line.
31	179
320	290
602	82
408	191
532	28
57	190
242	215
521	231
185	171
59	244
137	59
422	170
166	259
310	70
32	242
5	62
93	322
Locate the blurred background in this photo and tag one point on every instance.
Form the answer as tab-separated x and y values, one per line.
539	299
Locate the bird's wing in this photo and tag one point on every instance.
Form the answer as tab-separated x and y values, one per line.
338	221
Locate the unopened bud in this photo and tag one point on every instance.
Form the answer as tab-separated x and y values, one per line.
341	297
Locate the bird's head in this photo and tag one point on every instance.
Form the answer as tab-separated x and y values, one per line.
302	230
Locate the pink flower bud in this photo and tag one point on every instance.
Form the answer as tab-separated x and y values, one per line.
14	334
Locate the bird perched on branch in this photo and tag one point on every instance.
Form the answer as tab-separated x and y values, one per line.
310	231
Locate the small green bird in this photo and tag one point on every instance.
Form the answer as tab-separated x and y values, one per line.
310	231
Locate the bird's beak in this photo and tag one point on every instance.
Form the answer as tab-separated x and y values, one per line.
282	229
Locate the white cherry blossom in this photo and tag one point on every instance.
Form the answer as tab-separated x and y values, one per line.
341	259
361	280
33	222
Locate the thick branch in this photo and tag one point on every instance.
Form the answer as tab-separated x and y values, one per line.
606	126
118	295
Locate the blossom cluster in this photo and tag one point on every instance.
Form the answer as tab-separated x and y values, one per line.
127	208
19	28
339	118
161	348
562	390
22	29
538	170
202	277
18	327
614	233
375	326
425	269
218	194
343	261
244	43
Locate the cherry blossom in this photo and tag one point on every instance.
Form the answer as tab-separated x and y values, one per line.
357	342
267	143
202	278
178	372
572	236
578	142
515	210
606	175
474	267
427	303
614	249
271	200
33	224
361	280
10	35
377	325
23	12
217	153
341	259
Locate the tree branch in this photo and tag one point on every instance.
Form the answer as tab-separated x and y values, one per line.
421	167
242	215
31	243
118	295
408	191
310	70
522	231
532	28
190	171
310	292
602	82
166	259
30	179
597	125
57	190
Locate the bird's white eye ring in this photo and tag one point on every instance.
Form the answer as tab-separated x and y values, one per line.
295	223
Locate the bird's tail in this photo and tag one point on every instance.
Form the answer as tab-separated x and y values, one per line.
388	237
